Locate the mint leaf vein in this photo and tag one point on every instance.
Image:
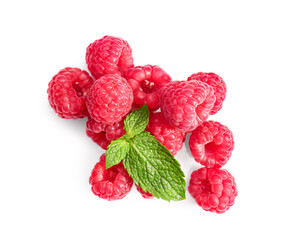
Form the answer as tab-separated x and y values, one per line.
136	122
154	168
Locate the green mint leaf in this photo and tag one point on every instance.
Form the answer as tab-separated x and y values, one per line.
116	151
154	168
136	122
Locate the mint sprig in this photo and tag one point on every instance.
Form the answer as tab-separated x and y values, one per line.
147	161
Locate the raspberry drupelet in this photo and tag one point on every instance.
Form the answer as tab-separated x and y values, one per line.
146	81
67	92
211	144
109	99
111	184
109	55
217	83
213	189
186	104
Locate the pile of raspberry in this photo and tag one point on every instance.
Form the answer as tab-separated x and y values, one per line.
115	87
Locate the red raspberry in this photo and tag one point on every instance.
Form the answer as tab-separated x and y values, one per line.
171	137
103	134
211	144
144	194
145	82
67	91
94	126
109	99
99	138
109	55
110	184
186	104
115	131
217	83
213	189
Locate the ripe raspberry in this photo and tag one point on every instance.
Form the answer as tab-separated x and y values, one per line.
171	137
115	131
110	184
211	144
145	82
186	104
103	134
109	55
144	194
94	126
213	189
109	99
67	91
99	138
217	83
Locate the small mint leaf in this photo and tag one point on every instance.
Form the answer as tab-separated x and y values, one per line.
136	122
154	168
116	151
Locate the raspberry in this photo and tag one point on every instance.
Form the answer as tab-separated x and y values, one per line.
103	134
108	55
144	194
213	189
115	131
186	104
145	82
94	126
211	144
67	91
99	138
110	184
109	99
171	137
217	83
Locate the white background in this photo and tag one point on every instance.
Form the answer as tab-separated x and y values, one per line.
46	161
